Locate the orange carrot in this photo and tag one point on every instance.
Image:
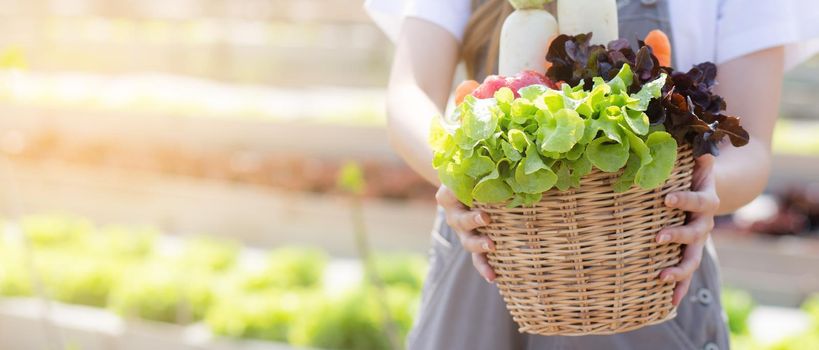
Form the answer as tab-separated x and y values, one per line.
660	45
464	88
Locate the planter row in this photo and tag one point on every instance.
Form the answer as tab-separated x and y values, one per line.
133	130
180	205
243	151
776	271
33	324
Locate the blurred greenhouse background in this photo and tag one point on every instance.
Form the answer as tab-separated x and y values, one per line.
177	175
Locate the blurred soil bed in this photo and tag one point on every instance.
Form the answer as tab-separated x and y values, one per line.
291	170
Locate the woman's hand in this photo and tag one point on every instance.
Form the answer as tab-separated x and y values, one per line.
701	203
464	221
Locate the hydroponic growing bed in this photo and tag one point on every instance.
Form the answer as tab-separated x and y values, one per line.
121	287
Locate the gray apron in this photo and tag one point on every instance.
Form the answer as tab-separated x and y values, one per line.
461	311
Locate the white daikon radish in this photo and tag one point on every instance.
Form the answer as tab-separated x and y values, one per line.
583	16
524	38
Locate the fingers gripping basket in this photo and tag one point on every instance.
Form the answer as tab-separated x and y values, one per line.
586	261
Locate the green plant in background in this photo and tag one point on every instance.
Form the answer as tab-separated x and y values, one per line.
403	303
200	293
118	242
75	278
804	341
811	306
351	321
351	179
265	315
75	262
289	267
354	320
55	230
150	292
407	270
297	267
14	275
738	305
119	268
159	291
209	254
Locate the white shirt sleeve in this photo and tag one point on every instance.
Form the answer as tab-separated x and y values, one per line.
693	28
389	15
747	26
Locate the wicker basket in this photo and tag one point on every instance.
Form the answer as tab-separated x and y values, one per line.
586	261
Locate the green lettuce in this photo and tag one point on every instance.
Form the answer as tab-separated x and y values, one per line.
511	150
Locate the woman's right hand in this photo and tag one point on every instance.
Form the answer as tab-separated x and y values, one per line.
464	221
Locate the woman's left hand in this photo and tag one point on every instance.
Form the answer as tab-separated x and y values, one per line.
702	203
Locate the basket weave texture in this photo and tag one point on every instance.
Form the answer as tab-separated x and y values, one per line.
585	261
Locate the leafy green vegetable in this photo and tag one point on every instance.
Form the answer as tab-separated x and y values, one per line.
564	176
639	148
663	155
518	140
480	117
607	123
298	267
290	267
637	120
560	133
510	152
607	154
458	181
401	270
350	321
14	275
267	315
683	102
77	279
492	189
535	182
119	242
649	91
478	165
507	149
158	291
579	168
625	181
52	230
208	254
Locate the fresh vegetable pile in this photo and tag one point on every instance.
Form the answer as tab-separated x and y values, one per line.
688	108
514	138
